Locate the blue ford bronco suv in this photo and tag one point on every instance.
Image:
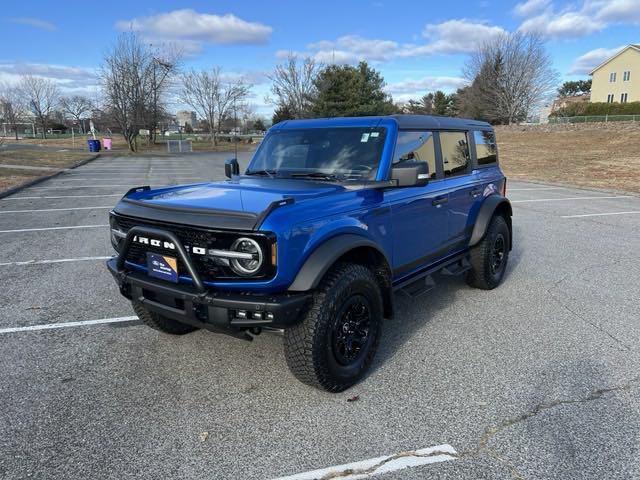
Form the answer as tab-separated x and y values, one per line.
331	217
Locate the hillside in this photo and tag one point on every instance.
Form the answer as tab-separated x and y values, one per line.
603	155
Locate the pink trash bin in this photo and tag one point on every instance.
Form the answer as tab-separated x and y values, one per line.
106	143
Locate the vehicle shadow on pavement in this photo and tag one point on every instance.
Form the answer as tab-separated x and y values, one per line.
414	313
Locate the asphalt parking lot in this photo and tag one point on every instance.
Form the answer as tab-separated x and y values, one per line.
536	379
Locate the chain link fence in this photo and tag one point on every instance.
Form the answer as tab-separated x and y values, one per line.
595	118
179	146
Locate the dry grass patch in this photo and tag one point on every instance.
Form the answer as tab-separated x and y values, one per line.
12	177
41	158
592	156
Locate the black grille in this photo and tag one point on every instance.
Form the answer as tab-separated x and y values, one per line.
206	267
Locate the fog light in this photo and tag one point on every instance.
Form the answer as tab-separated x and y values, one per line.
257	315
242	314
269	316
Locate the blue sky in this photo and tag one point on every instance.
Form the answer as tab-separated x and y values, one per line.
419	46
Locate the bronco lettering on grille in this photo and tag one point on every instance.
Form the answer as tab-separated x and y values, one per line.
168	245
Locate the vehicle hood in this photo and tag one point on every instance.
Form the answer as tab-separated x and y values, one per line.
238	204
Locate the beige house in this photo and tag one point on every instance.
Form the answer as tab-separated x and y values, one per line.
618	78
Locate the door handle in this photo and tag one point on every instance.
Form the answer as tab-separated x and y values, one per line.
440	201
476	192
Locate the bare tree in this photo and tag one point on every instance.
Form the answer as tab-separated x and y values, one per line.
42	97
510	75
125	82
230	96
77	107
200	92
293	85
12	107
212	97
164	67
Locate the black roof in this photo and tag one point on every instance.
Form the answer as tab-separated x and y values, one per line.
432	121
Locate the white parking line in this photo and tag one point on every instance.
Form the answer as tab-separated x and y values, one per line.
53	326
62	196
51	228
46	262
567	198
600	214
129	185
380	465
55	209
80	186
145	179
509	189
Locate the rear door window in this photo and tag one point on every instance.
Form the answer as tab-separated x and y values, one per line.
486	150
455	153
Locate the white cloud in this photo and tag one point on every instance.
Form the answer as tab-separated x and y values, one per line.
71	80
530	7
564	25
450	37
584	64
617	11
191	29
453	36
350	48
410	88
578	21
35	22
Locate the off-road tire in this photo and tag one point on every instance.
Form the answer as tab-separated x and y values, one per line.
482	274
158	322
309	345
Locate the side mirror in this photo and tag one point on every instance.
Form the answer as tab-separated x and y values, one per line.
410	174
231	167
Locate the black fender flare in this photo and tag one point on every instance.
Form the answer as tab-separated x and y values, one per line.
488	208
324	256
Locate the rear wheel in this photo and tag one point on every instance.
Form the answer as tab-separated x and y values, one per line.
335	343
489	258
158	322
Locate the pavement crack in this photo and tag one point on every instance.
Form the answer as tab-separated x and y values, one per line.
552	294
338	474
490	432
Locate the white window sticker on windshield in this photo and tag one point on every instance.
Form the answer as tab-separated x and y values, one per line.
365	137
374	134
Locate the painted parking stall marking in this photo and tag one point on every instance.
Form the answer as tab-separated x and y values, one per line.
62	196
55	209
71	227
380	465
634	212
562	199
54	326
58	260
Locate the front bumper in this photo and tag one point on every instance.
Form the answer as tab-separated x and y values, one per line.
224	312
211	310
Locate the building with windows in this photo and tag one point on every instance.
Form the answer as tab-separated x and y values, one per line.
617	79
185	117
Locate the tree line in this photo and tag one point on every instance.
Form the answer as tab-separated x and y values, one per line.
507	77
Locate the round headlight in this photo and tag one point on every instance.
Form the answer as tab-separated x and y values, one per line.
246	266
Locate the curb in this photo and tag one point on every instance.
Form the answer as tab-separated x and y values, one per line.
35	181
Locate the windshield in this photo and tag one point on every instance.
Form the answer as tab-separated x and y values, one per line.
329	153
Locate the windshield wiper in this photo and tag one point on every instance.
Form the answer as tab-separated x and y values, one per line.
316	175
268	173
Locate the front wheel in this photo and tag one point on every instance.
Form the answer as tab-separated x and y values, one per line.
489	258
335	343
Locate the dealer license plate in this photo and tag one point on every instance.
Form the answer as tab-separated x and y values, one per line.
162	266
